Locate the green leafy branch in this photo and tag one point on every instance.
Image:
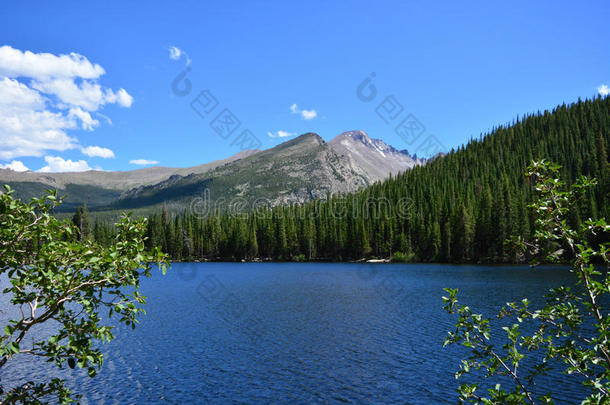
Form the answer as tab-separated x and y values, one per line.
54	277
573	326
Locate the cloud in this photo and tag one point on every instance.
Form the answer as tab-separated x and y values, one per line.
57	164
176	53
19	95
97	151
41	66
305	114
27	128
143	162
280	134
309	114
105	117
15	165
121	97
603	90
44	96
88	95
87	122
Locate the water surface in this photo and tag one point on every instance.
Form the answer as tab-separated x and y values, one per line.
301	333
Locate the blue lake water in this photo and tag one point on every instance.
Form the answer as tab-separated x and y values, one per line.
300	333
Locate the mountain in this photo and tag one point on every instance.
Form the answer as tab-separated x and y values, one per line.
372	157
296	171
113	180
459	207
98	188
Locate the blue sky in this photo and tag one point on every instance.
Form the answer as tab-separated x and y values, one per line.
459	69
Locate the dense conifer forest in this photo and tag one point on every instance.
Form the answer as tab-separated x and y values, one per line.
458	208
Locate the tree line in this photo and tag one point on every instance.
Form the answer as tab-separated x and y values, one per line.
460	207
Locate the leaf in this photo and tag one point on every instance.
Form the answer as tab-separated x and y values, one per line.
14	347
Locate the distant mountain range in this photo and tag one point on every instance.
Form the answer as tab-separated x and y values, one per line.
295	171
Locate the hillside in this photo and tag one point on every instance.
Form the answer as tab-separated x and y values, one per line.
99	188
457	208
299	170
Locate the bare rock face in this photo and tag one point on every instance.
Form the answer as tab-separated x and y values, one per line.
372	158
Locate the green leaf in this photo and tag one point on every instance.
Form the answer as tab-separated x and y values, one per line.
14	347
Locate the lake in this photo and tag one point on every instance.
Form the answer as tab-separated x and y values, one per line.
301	333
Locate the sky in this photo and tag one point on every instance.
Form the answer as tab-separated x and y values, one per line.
125	85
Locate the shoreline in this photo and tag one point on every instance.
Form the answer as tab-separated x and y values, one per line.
367	261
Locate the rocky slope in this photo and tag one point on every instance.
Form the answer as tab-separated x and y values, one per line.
372	158
296	171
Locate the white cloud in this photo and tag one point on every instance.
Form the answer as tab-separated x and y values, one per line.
309	114
124	99
27	128
603	90
88	95
305	114
41	66
57	164
17	94
87	122
121	97
280	134
143	162
15	165
97	151
176	53
105	117
43	96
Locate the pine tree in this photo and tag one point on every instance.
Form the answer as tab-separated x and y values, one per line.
463	234
435	241
82	223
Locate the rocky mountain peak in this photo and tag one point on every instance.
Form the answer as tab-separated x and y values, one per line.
356	135
372	156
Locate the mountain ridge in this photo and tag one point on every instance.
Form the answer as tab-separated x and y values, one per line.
298	170
115	179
